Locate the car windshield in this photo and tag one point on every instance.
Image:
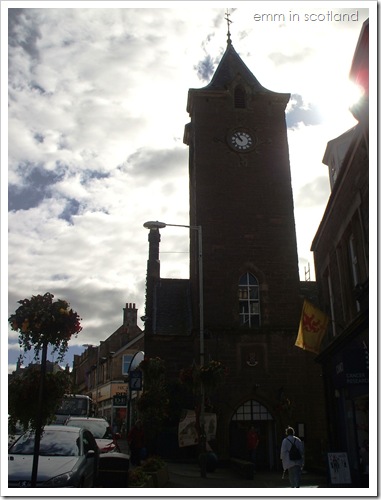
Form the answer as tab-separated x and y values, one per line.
98	428
54	443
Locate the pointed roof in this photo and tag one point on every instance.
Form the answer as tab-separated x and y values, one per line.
230	66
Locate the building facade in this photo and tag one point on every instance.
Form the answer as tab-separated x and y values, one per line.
101	372
341	254
251	297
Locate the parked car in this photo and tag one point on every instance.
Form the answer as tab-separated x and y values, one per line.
106	440
113	470
68	458
14	433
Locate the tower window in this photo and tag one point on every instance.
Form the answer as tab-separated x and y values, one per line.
239	98
248	299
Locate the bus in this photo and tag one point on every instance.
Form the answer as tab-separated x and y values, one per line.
77	405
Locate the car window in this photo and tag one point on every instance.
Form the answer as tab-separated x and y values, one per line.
54	443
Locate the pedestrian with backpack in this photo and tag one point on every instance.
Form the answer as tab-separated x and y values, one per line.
292	456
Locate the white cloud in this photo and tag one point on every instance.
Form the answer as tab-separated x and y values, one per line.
97	109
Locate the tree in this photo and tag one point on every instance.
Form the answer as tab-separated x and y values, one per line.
41	321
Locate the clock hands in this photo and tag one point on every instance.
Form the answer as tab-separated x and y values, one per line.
242	140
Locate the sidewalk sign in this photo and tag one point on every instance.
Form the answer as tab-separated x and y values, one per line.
338	466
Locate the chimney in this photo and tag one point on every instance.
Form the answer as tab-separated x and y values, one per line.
153	264
130	315
153	277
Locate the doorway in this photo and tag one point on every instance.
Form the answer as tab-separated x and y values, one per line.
253	413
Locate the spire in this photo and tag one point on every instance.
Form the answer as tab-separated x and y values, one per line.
229	22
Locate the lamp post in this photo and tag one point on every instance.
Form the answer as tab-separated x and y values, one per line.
161	225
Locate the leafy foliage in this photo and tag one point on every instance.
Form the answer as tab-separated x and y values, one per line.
153	405
153	464
24	395
137	477
211	375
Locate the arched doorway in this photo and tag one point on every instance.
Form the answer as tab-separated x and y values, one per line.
254	413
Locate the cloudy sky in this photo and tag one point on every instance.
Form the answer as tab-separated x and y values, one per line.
96	114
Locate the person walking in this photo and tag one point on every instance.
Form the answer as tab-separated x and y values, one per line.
136	442
292	461
252	445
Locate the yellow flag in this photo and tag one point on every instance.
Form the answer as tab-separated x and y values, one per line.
312	328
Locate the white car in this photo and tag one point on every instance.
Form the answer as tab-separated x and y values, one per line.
99	427
68	458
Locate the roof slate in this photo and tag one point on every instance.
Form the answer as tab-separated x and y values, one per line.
230	66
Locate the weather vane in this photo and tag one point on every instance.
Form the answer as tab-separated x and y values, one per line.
229	22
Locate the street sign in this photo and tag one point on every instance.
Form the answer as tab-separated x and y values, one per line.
120	400
136	380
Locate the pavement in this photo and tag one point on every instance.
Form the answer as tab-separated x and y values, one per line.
186	474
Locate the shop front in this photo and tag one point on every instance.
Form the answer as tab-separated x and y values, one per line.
111	403
347	389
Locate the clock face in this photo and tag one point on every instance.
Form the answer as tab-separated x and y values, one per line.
241	141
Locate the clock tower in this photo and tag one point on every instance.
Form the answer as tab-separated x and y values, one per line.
241	201
241	195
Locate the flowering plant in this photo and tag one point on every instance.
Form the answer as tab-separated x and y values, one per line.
152	367
153	464
213	373
41	321
137	477
187	376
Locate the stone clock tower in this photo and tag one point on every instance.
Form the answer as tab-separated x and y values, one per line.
241	197
240	193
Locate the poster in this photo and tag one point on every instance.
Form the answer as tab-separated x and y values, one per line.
188	435
339	468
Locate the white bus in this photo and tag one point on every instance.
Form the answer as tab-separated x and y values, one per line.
77	405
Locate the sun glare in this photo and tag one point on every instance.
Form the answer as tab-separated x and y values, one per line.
352	93
336	102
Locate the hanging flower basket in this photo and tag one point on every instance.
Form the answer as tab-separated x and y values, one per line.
213	374
40	321
152	368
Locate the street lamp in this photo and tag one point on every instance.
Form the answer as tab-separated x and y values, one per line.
161	225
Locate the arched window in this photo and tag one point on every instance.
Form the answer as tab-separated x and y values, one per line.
239	98
252	411
248	298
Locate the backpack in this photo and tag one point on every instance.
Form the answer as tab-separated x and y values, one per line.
294	453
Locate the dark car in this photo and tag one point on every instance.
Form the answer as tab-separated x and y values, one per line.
113	470
100	429
68	458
